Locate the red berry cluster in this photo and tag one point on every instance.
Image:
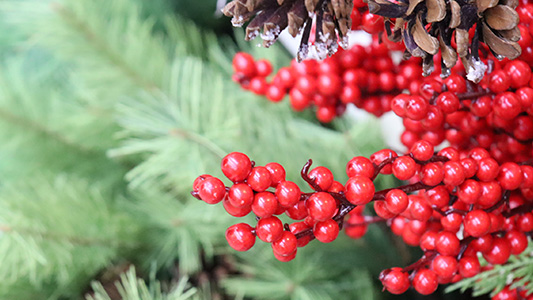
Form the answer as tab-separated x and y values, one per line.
496	114
265	192
365	77
507	293
456	205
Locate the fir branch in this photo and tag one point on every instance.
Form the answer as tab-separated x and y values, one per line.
517	272
132	288
59	233
186	231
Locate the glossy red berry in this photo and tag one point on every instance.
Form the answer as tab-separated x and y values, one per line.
359	190
510	176
321	206
422	150
212	190
396	201
404	167
382	155
518	241
477	223
285	245
447	243
448	102
277	173
263	67
321	176
236	211
326	231
444	266
469	191
425	282
259	179
240	195
499	253
431	174
265	204
469	266
395	281
240	237
360	165
269	229
236	166
288	193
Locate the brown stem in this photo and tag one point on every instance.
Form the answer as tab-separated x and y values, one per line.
304	173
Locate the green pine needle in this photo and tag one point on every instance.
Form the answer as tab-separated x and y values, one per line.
132	288
517	272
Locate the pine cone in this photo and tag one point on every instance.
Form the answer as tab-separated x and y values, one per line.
273	16
496	25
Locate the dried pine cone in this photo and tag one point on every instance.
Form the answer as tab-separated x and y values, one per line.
426	26
270	17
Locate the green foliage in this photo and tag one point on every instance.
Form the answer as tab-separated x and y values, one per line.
132	288
303	278
178	229
58	239
517	272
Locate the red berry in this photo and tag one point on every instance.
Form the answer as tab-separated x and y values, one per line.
360	165
469	266
263	67
236	166
285	245
285	258
510	176
396	201
265	204
447	243
322	177
275	93
422	150
240	236
506	294
298	211
483	243
444	265
448	102
416	108
240	195
259	179
321	206
499	253
395	281
269	229
198	181
419	208
212	190
524	222
453	173
519	73
404	167
329	84
452	222
244	64
277	173
427	240
432	174
288	193
518	241
499	81
488	169
355	227
425	282
469	191
507	105
298	227
359	190
378	157
236	211
326	231
477	223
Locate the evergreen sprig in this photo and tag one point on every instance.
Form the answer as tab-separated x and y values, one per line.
517	272
130	287
59	240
